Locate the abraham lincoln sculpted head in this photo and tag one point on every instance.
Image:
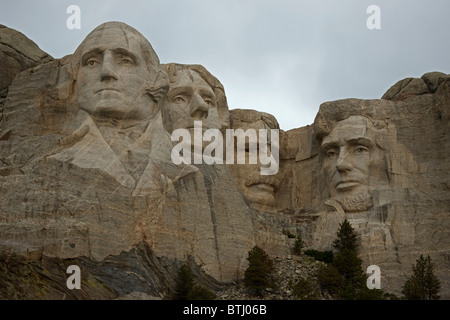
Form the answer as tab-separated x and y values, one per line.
353	162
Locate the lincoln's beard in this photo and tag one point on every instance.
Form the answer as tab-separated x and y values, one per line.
356	202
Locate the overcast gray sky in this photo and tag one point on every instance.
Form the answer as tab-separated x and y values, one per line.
284	57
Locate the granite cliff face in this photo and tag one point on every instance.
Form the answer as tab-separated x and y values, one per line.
87	178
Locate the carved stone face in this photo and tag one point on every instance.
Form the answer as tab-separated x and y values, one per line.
258	189
113	76
348	155
190	99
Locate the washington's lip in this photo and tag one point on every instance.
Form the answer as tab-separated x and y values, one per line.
346	184
107	89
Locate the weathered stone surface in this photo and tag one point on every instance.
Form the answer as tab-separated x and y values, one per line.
86	176
17	53
398	201
92	180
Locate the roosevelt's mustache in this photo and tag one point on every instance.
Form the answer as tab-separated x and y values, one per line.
257	178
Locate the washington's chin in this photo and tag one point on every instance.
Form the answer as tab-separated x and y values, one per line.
112	109
189	127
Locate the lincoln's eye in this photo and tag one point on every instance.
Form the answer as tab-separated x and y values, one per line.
127	61
331	153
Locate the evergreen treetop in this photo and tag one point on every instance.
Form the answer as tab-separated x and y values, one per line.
423	283
346	237
257	276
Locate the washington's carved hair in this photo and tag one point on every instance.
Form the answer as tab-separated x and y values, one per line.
159	83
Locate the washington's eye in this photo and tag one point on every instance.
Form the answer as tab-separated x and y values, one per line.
361	149
209	102
91	62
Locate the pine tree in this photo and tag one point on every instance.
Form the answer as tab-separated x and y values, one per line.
345	276
423	283
303	289
330	279
347	263
257	276
185	283
346	237
201	293
350	267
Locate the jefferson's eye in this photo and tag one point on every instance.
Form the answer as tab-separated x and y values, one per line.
209	102
179	99
361	149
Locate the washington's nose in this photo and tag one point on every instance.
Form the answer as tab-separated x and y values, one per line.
108	72
198	107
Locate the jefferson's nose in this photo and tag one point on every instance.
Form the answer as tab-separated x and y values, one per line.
108	66
198	107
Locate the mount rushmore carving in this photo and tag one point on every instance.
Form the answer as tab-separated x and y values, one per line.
86	174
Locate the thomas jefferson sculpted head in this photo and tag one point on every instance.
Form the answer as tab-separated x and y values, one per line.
194	95
118	74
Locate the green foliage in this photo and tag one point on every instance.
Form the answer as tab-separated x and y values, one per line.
288	233
324	256
201	293
257	276
375	294
344	277
349	266
298	246
303	289
423	283
346	237
185	283
330	279
186	288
